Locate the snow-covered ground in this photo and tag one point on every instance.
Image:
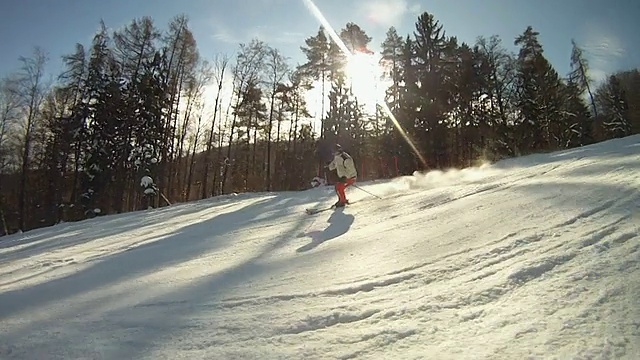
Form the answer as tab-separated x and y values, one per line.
531	258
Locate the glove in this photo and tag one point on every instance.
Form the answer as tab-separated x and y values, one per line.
343	179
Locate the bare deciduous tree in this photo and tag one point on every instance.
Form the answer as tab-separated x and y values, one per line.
277	70
30	89
221	63
247	71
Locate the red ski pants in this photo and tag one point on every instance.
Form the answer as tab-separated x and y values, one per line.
340	186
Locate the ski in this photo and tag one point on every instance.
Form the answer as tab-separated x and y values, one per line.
319	210
315	211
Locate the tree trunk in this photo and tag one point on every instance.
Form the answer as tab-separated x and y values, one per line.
207	158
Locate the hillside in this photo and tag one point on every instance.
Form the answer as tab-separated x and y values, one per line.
534	257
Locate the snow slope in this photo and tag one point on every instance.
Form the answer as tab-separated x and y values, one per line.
535	257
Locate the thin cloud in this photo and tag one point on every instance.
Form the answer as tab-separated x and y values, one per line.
271	35
225	35
603	50
605	46
267	34
415	9
385	12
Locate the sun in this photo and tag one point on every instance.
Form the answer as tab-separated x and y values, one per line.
364	73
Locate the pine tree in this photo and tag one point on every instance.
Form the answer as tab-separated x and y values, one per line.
73	82
251	113
407	114
577	116
153	99
630	83
539	96
59	141
431	57
105	134
354	38
350	129
317	66
466	90
391	61
614	108
498	74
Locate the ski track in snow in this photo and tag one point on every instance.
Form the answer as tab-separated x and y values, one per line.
535	257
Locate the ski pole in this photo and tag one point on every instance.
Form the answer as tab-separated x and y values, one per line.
358	187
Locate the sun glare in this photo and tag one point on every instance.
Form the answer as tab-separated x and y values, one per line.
364	74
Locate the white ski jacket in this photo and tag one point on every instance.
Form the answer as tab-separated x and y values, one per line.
344	165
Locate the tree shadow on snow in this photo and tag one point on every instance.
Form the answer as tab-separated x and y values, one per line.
169	249
339	224
158	316
68	235
152	320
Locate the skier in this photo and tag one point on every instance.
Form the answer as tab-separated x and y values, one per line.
149	188
345	168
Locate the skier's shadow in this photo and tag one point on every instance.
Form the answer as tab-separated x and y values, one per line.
339	224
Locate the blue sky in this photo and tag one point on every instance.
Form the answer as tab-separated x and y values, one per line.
608	32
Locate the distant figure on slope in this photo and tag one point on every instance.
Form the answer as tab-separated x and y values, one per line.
318	181
345	168
150	189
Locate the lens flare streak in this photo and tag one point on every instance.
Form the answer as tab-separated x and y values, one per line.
385	108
